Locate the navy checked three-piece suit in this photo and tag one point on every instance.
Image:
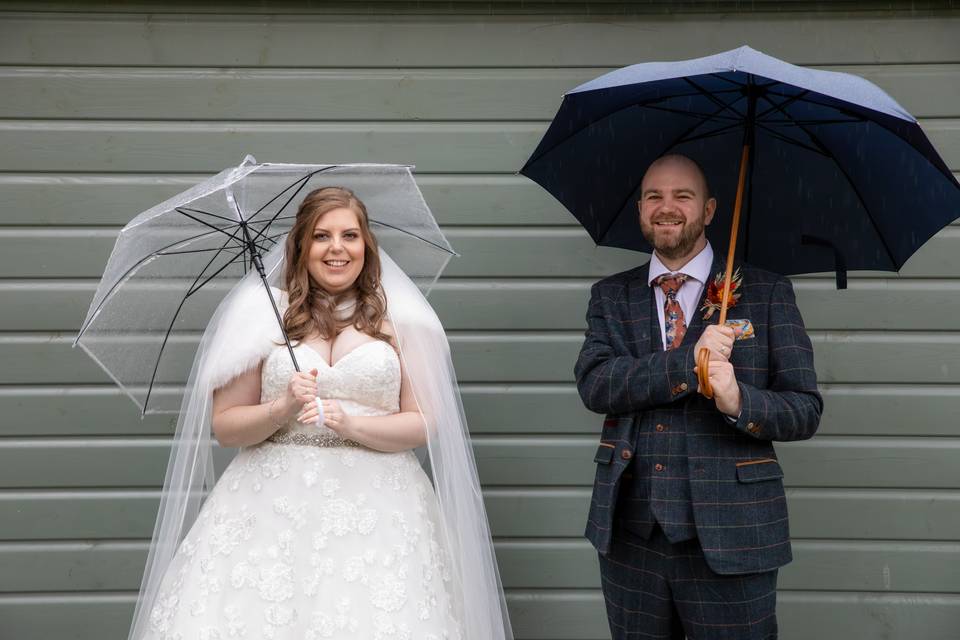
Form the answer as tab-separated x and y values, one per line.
688	511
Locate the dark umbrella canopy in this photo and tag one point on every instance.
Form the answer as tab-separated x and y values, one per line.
840	176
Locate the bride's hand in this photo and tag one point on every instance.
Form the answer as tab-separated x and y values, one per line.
309	413
301	390
335	418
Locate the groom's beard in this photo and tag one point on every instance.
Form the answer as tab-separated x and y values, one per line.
681	245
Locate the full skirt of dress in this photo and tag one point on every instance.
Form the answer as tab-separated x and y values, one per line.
307	542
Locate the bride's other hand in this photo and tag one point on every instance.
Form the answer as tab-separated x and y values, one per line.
310	413
335	418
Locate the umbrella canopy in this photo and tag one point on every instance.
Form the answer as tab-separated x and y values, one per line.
173	264
839	175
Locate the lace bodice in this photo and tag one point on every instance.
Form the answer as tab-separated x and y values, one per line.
366	380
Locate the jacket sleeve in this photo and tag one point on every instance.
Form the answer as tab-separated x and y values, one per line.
790	407
610	380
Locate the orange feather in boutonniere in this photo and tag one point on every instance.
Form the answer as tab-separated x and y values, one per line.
714	298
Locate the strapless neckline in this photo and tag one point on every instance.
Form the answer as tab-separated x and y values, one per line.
346	355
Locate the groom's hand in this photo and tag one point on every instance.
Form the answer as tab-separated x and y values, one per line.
726	391
719	340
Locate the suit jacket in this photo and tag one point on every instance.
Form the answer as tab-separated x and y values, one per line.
736	483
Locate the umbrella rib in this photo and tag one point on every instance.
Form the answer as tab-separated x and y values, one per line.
802	96
688	113
779	106
236	206
788	140
156	364
409	233
819	143
304	180
710	134
274	237
203	222
193	289
712	97
808	122
266	224
301	181
841	109
739	85
139	263
196	287
207	213
188	251
683	136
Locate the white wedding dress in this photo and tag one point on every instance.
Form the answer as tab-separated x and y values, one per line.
307	536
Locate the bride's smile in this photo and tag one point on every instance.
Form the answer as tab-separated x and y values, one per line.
337	250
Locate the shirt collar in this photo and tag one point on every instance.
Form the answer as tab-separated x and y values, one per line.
697	267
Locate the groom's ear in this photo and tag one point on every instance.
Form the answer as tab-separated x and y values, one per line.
708	210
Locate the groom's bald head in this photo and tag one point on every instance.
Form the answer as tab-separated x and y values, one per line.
681	162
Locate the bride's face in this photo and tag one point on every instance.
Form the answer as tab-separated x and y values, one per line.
335	258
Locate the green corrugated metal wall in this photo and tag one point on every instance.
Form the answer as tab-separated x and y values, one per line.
106	109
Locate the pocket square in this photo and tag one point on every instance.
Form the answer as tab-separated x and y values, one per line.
743	329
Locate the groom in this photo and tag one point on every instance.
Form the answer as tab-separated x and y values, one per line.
688	511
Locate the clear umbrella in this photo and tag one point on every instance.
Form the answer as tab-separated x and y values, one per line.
173	264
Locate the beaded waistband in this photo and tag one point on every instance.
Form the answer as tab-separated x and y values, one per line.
311	439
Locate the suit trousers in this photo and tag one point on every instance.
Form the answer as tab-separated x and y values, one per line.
655	589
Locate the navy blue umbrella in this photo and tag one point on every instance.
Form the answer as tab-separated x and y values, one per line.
832	172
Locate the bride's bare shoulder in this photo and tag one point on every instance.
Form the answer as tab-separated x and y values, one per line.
386	327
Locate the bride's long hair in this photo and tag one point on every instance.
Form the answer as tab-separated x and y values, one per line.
312	307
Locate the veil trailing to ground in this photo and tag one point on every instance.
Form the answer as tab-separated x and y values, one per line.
242	331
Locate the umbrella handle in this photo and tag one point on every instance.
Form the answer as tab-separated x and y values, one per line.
703	371
703	358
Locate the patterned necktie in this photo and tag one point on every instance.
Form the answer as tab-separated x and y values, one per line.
673	322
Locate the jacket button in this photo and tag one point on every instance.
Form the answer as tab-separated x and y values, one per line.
626	454
658	467
683	386
660	427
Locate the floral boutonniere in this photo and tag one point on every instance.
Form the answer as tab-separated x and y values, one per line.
714	297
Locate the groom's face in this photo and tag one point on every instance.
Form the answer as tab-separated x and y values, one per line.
675	208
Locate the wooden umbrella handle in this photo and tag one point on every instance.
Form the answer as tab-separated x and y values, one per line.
703	358
703	372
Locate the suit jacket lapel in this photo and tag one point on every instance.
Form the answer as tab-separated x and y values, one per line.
640	298
696	324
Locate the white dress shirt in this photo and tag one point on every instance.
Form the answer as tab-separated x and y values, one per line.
697	271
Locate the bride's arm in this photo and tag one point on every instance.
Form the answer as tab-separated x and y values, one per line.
239	418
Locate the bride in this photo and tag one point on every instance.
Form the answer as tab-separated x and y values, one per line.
325	525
